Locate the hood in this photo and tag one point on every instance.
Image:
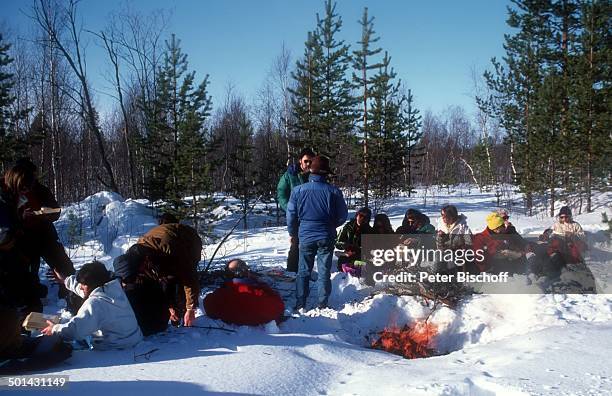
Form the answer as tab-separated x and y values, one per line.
293	169
111	292
461	221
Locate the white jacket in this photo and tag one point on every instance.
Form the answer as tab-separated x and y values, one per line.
568	230
106	310
456	236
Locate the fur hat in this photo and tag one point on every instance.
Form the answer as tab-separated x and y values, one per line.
320	166
494	220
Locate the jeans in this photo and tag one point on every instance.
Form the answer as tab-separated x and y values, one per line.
323	249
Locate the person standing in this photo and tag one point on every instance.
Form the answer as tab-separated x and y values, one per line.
295	175
38	209
314	211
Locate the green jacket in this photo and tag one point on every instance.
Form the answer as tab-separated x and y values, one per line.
351	235
426	229
291	178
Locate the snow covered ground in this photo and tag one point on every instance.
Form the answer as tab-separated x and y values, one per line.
506	344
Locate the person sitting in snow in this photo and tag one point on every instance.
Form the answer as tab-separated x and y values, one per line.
453	230
105	314
453	234
408	226
382	224
349	239
418	226
159	274
566	242
502	251
243	300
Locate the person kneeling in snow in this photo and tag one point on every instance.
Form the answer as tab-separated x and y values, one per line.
106	310
243	300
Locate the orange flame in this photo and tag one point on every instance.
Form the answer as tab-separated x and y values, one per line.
411	341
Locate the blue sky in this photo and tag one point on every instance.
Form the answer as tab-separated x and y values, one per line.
433	44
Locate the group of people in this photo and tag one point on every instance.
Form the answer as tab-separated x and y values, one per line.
315	208
156	281
503	249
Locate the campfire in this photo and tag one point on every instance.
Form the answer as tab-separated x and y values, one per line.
411	341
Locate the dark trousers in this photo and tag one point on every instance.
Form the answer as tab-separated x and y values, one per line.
294	256
148	300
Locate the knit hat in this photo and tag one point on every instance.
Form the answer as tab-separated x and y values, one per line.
494	220
320	166
565	211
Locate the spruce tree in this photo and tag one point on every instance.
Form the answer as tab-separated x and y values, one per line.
322	101
243	169
592	76
6	100
336	117
362	83
176	144
306	96
414	150
515	84
11	144
387	141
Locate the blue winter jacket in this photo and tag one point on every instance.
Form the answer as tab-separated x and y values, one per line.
317	208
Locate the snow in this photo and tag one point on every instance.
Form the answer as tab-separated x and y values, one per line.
506	344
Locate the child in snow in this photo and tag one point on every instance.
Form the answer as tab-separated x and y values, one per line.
106	310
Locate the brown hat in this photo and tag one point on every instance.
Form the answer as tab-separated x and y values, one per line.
320	166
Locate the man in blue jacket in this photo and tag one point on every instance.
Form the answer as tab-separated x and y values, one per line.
295	175
314	211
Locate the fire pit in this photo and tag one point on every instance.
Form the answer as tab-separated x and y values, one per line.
412	341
